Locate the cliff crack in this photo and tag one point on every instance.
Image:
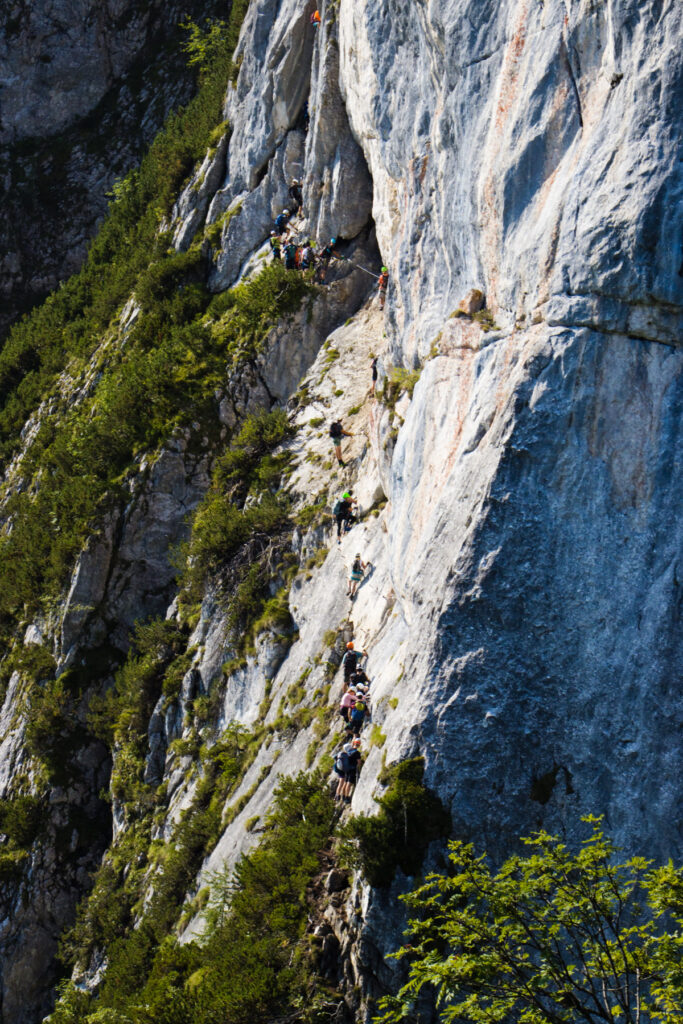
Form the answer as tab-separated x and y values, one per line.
572	79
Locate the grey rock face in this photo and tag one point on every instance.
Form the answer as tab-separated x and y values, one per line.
530	149
125	573
548	691
337	184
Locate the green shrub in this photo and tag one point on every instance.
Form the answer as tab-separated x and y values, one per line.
244	459
241	319
397	381
410	816
485	319
253	961
20	819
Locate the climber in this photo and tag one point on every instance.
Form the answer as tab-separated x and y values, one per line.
275	245
347	766
281	221
382	284
307	256
363	694
373	367
357	716
351	661
315	19
328	253
336	433
290	256
344	514
360	680
357	571
295	193
341	768
347	702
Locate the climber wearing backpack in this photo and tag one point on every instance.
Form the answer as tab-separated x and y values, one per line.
281	221
290	256
382	285
359	680
346	766
351	660
347	702
275	245
336	433
315	19
344	514
357	571
307	256
357	716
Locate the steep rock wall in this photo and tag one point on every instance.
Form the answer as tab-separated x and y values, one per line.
522	615
529	149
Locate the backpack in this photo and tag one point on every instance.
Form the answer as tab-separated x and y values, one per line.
342	761
336	429
358	713
338	508
357	567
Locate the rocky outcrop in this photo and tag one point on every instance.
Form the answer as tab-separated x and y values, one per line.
84	88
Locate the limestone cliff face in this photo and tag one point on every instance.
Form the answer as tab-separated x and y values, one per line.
522	616
84	87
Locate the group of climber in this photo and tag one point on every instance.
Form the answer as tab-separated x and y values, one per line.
354	707
303	254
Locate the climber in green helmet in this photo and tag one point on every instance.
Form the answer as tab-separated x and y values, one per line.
382	286
344	514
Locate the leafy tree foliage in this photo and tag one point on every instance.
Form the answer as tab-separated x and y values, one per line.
551	938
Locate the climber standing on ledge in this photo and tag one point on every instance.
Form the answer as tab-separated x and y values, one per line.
281	221
295	193
382	284
275	245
